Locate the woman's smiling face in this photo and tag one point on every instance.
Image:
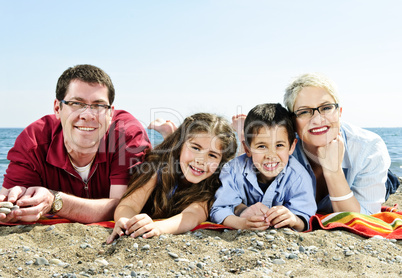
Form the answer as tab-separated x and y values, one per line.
318	130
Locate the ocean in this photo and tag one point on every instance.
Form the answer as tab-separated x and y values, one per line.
391	136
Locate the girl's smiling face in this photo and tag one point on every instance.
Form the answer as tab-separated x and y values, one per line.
318	130
200	157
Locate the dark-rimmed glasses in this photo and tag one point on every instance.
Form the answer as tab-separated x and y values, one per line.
307	113
96	107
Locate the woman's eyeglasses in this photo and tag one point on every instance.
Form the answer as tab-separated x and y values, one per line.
307	113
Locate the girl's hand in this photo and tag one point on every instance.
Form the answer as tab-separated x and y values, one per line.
330	156
118	230
142	224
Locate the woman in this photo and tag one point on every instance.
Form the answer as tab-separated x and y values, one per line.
349	165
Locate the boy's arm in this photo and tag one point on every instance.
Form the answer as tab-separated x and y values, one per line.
227	197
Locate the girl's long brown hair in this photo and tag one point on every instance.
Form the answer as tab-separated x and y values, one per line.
165	160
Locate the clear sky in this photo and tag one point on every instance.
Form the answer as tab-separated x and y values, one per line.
173	58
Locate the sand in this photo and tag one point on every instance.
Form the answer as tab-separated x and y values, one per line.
77	250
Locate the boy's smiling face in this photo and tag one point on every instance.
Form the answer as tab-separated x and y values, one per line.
270	150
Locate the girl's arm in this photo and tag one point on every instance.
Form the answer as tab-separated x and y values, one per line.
129	207
189	218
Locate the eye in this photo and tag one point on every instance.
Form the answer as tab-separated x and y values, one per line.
280	145
213	155
327	107
195	148
262	147
77	104
303	112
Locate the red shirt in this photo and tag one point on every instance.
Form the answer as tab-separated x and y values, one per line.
39	157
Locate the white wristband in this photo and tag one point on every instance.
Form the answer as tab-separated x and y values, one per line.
342	198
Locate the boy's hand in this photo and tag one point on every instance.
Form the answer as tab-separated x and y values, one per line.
256	209
280	217
256	222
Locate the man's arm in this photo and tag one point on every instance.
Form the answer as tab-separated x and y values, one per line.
37	201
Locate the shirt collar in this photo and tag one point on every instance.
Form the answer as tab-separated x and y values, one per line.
57	154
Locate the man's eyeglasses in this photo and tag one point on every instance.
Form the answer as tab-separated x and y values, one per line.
307	113
96	108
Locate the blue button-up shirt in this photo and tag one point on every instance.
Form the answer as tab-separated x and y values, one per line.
365	164
292	188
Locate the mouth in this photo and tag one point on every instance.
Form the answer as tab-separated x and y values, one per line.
83	128
319	130
196	171
271	166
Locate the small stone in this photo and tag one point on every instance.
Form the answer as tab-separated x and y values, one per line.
270	238
102	262
8	205
349	253
146	247
278	261
173	255
336	258
15	207
292	256
55	261
5	210
41	261
50	228
135	246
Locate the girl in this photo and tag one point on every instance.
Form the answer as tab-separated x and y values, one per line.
177	180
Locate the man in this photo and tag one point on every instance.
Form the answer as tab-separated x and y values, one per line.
76	162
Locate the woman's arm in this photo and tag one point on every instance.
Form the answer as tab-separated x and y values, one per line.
330	158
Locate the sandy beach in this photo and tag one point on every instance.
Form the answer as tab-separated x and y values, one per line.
77	250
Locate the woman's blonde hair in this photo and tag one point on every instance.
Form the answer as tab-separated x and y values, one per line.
308	80
171	195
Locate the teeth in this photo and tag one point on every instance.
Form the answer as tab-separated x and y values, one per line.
271	165
196	169
319	129
86	128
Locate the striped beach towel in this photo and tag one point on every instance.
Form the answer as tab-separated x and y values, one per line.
387	223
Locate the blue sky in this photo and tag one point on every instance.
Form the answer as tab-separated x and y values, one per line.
170	59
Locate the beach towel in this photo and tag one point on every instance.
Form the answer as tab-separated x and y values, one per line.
387	223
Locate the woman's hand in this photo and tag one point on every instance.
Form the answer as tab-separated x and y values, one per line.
330	156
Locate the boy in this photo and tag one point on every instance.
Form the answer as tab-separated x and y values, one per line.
266	186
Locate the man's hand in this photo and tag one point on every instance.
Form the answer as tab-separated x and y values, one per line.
11	195
33	203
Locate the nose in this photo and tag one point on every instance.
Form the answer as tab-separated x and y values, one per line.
200	160
316	117
87	113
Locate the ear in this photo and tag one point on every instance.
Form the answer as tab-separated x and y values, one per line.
246	148
112	111
293	147
57	108
340	112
